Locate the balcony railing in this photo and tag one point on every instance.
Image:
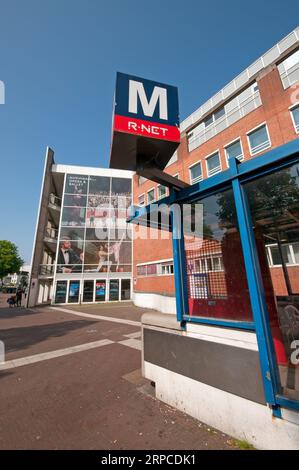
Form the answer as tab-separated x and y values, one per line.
46	269
202	134
51	233
54	200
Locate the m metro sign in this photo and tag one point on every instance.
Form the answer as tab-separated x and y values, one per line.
145	123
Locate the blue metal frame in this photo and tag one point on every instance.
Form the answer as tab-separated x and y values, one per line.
269	367
223	323
179	264
234	178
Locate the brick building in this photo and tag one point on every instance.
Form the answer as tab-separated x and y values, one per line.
254	113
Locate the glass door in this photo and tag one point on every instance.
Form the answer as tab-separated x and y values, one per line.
125	289
114	289
88	289
100	291
60	294
74	290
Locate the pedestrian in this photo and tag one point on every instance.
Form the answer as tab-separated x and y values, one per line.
11	301
19	297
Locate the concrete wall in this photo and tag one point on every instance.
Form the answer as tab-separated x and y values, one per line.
213	374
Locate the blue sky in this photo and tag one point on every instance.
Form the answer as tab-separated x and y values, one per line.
58	60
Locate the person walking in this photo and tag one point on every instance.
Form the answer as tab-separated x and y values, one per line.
19	297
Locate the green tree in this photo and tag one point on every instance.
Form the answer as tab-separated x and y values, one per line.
10	260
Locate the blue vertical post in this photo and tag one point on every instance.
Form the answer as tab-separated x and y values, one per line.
179	262
268	363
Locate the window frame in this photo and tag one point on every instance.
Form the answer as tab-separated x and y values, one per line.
291	108
147	193
231	143
206	158
144	198
256	128
199	162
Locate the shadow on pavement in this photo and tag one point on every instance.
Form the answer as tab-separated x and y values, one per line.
16	312
24	337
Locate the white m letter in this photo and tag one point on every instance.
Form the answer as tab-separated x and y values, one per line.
136	89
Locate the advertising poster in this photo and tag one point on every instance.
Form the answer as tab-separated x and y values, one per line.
100	290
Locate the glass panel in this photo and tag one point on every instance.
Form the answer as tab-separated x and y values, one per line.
60	295
73	216
234	151
274	204
259	140
141	270
99	185
74	200
74	289
114	289
296	252
216	293
76	184
96	253
295	113
88	291
150	196
125	289
70	256
213	164
121	187
195	173
151	269
100	201
161	191
72	233
100	291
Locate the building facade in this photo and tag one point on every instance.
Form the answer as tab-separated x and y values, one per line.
83	245
256	112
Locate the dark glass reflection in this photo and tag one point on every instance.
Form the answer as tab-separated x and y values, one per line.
274	205
217	283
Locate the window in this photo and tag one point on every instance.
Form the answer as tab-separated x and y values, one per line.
290	254
234	150
259	140
155	269
289	70
141	200
151	196
213	164
295	117
162	191
166	269
195	173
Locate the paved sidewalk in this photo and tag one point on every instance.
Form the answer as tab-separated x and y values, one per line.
75	383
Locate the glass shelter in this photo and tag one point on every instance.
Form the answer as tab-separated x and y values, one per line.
240	271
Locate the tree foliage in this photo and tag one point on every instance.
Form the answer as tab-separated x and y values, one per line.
10	260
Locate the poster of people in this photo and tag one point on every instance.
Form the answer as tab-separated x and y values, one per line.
73	216
70	256
74	200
